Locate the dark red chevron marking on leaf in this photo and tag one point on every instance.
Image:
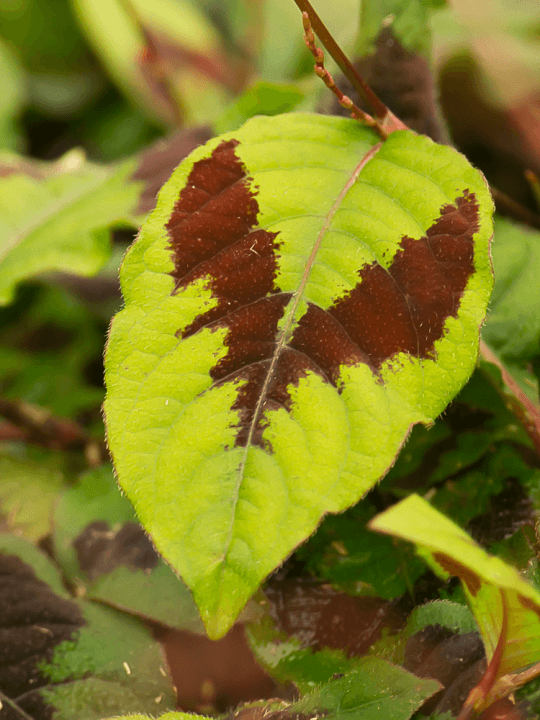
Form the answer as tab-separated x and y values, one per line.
403	308
212	235
251	340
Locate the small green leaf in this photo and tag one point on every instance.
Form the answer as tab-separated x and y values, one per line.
455	617
57	216
301	296
493	588
512	327
374	690
28	490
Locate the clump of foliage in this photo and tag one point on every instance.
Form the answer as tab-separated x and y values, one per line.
322	376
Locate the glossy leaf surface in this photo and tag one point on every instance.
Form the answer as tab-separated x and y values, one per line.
300	297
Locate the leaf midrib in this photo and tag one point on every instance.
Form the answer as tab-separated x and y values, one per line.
282	339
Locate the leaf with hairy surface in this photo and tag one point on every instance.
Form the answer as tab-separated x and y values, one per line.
300	298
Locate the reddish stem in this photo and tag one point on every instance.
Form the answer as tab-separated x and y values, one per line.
479	693
387	121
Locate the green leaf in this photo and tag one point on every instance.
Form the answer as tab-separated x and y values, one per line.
286	660
375	690
28	490
48	340
408	20
312	631
14	97
351	557
262	98
196	66
57	216
519	389
493	588
266	369
512	327
78	659
451	615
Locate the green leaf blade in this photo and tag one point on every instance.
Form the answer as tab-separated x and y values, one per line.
492	586
57	216
239	410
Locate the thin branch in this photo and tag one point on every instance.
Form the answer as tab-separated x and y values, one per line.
40	427
14	707
327	78
387	121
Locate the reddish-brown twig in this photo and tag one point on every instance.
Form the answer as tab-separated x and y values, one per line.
39	426
327	78
385	121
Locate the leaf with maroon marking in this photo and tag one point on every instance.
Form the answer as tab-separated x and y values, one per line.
300	297
62	657
506	607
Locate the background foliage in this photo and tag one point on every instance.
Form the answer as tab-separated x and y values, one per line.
100	101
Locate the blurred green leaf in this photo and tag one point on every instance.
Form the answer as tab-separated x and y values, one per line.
519	389
47	350
13	92
263	98
407	19
351	557
58	216
512	327
190	76
28	491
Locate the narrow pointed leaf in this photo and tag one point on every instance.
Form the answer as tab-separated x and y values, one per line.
300	297
492	586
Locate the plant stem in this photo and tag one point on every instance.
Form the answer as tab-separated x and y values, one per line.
379	108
